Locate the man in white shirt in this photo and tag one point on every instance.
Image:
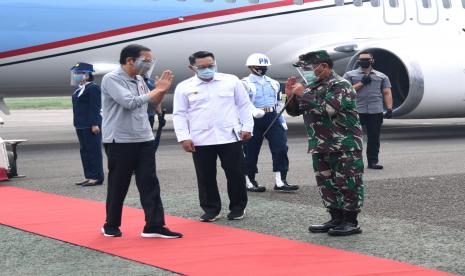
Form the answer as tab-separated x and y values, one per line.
212	114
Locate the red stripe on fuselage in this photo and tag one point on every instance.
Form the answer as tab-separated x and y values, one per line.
142	27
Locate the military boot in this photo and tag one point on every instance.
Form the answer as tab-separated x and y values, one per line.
349	225
336	219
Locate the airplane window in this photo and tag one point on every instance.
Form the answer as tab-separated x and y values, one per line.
341	2
358	3
395	3
426	4
447	4
253	1
463	4
298	2
375	3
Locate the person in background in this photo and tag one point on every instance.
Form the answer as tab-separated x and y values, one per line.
265	94
87	120
373	87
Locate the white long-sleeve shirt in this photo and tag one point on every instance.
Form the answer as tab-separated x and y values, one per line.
211	113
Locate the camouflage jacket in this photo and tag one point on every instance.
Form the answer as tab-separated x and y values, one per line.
330	115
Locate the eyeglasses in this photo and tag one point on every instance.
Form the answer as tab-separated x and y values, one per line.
211	66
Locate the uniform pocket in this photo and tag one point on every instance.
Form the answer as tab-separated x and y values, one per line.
197	97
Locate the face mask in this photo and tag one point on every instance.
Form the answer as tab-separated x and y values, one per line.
309	76
79	77
259	71
364	63
142	66
206	73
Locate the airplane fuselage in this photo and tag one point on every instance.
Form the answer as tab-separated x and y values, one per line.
419	48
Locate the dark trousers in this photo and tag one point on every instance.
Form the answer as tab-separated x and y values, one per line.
123	160
232	159
372	123
91	153
277	141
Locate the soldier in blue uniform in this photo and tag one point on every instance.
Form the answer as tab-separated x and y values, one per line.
264	93
87	120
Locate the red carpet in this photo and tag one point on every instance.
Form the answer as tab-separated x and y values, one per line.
206	249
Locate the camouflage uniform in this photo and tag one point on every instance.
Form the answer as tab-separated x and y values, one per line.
334	139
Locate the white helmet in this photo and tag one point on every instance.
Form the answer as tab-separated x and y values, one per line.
258	60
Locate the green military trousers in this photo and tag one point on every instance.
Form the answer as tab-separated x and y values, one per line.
339	176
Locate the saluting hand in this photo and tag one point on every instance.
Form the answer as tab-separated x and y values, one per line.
164	82
188	146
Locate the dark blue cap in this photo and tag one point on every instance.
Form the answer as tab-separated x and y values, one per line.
83	67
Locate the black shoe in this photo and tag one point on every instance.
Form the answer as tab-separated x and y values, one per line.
286	187
345	229
111	231
336	219
162	232
82	182
92	182
209	217
349	226
236	215
256	188
375	166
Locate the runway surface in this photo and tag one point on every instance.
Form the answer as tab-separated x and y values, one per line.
414	209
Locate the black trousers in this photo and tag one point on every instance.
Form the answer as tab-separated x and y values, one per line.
123	160
232	162
372	123
90	147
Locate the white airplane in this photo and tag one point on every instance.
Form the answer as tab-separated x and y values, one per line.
417	43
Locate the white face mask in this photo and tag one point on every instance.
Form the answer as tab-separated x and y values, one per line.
206	73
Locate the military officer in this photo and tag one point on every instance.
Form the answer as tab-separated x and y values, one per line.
264	93
87	120
327	103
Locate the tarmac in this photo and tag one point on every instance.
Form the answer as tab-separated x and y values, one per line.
413	213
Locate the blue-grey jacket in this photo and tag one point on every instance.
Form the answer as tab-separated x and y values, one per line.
87	106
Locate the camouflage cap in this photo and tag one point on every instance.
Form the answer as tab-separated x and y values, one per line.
312	58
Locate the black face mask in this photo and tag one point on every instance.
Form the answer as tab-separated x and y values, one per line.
259	71
365	63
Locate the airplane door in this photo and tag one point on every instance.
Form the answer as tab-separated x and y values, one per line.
427	12
394	11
